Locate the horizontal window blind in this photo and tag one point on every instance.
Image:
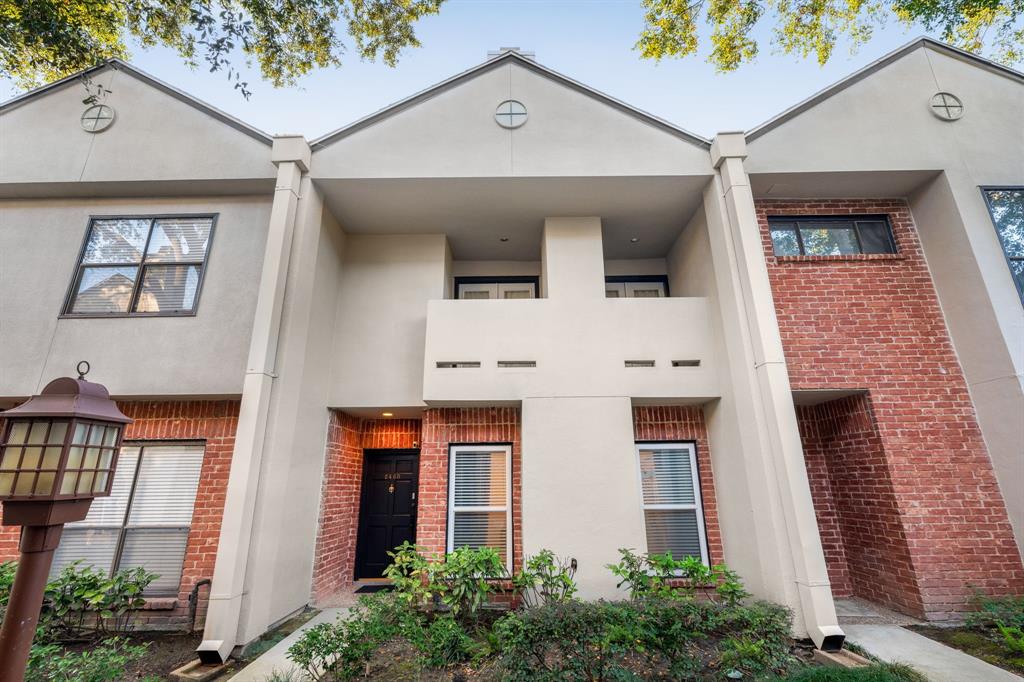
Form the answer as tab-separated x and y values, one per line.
479	508
673	517
146	519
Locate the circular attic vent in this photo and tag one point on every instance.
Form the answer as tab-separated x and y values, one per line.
511	114
946	106
97	118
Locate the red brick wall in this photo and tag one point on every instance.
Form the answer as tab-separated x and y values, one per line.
682	423
445	426
856	504
874	323
214	423
347	436
335	554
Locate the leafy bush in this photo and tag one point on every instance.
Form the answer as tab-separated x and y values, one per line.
443	643
462	581
659	575
82	601
603	640
544	578
102	663
992	610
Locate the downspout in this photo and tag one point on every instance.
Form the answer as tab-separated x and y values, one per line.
774	399
291	154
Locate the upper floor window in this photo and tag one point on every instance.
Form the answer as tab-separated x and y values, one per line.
639	286
1006	204
831	236
495	287
141	266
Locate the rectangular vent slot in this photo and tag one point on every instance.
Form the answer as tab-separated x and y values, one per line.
459	364
517	363
639	363
686	363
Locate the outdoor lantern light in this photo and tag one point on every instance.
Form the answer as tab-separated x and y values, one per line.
58	452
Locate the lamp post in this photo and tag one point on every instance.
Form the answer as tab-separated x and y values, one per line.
58	452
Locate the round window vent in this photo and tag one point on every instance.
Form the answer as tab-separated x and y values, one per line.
947	106
511	114
97	118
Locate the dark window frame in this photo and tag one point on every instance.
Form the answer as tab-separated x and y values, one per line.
852	220
512	279
985	189
141	266
124	527
625	279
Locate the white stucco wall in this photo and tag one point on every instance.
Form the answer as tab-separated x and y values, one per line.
40	242
453	134
377	352
155	137
581	485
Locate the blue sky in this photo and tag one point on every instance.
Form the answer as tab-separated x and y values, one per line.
588	40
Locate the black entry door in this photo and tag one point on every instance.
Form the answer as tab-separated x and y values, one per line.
387	510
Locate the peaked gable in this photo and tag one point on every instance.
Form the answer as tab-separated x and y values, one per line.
159	133
450	131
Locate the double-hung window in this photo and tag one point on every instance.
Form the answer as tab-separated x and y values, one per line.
141	266
480	498
146	519
1006	204
670	487
831	236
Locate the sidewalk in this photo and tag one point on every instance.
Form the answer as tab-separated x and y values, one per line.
938	662
275	660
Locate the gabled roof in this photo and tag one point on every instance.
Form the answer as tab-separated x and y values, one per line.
526	63
895	55
121	65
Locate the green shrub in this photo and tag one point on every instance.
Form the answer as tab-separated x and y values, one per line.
544	578
7	571
659	575
105	662
992	610
442	643
84	602
412	574
603	640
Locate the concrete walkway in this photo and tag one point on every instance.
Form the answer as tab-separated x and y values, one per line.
938	662
275	659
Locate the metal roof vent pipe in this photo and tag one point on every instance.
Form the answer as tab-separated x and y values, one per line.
525	54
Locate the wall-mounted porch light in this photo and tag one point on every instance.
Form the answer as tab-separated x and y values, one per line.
58	452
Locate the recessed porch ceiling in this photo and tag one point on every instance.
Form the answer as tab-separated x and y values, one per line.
476	213
840	184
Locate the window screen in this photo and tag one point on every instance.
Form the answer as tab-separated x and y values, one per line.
141	266
479	498
673	516
146	519
1007	209
830	236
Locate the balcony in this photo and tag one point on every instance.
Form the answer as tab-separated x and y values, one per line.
501	351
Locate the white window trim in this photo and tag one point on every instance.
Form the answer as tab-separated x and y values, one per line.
632	287
453	450
496	290
698	496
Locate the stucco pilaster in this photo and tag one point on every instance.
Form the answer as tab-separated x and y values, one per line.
791	557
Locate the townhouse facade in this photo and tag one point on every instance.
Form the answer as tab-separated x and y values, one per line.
512	311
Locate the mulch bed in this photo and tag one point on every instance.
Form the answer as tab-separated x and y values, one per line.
984	644
167	651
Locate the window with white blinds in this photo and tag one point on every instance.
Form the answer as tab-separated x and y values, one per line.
673	515
477	288
480	498
141	266
146	519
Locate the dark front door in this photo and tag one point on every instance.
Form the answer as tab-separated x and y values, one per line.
387	509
